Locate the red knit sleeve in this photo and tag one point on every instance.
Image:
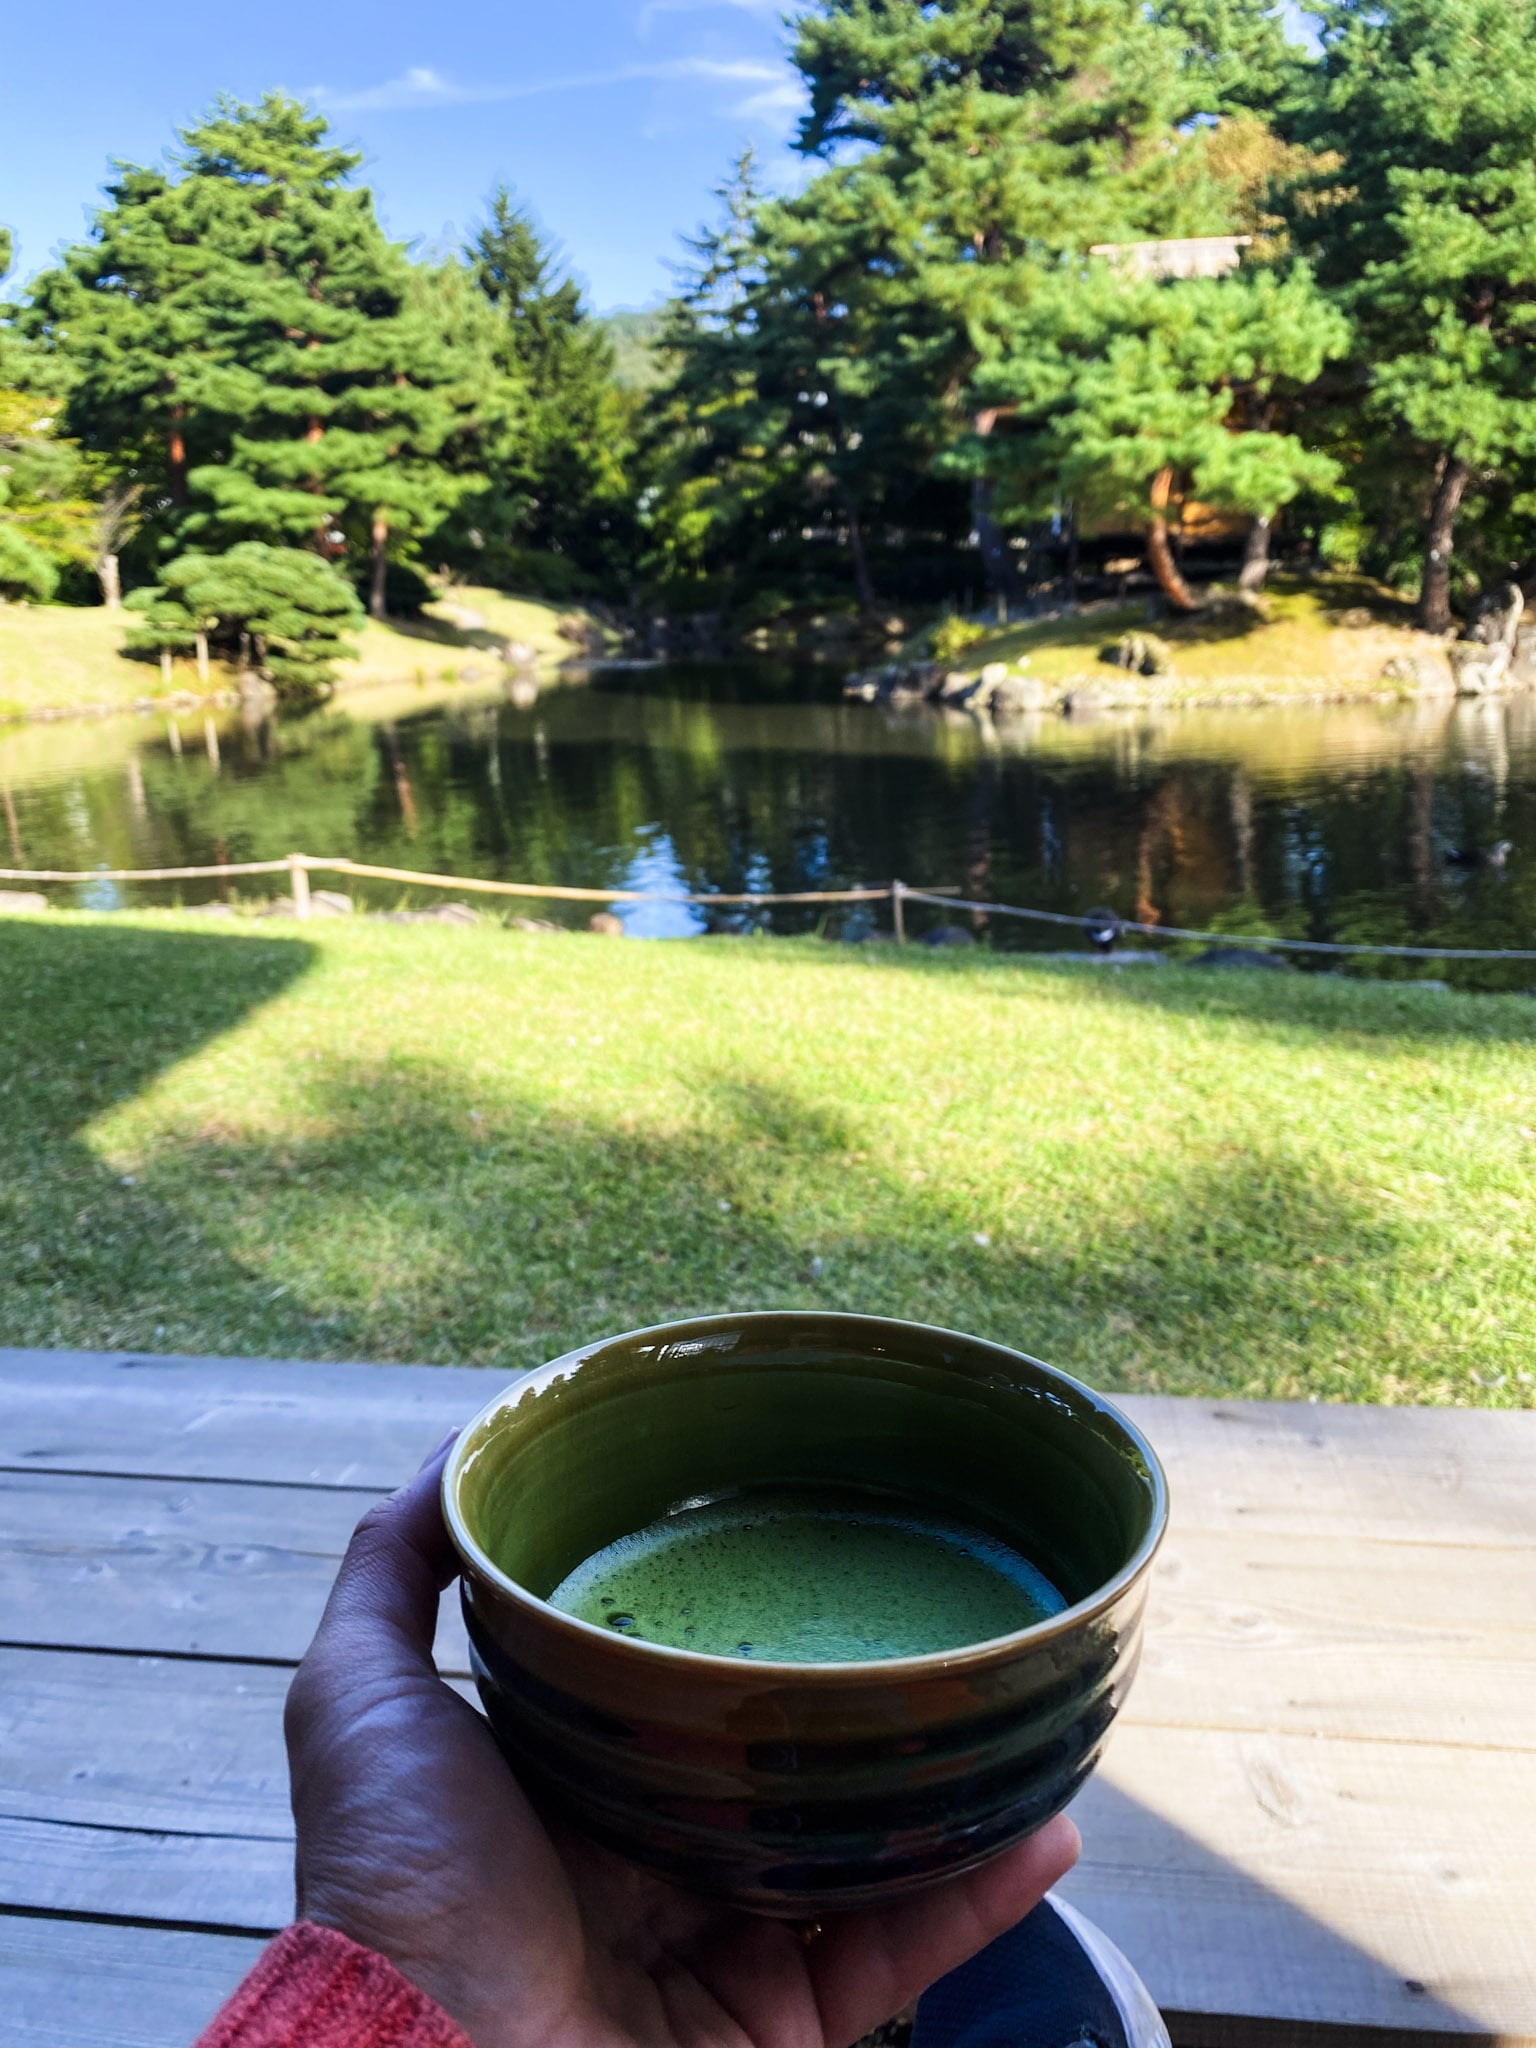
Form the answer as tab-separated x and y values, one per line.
313	1988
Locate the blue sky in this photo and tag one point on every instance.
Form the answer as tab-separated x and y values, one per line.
612	118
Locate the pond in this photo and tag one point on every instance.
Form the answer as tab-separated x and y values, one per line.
1343	821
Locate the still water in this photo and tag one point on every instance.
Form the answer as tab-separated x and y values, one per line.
1323	821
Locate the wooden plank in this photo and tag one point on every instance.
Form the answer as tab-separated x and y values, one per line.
1273	1875
178	1567
75	1984
1361	1884
1457	1476
1447	1475
230	1418
1329	1635
222	1881
1270	1633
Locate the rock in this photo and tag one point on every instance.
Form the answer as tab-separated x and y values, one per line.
22	899
209	910
439	913
1015	695
1084	703
606	925
532	924
1481	669
1495	620
994	673
1522	665
1357	617
948	935
1425	674
1144	654
329	903
1239	956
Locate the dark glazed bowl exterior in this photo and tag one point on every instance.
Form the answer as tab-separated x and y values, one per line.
794	1789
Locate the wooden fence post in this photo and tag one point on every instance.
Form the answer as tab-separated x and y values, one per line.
299	873
898	891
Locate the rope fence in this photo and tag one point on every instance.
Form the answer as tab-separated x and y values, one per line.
300	866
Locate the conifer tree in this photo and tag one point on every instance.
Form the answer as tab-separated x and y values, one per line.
557	471
287	611
242	333
1125	393
1424	227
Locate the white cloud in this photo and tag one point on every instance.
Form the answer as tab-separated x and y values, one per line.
421	86
786	96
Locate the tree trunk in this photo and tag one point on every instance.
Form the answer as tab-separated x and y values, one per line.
202	659
377	565
1439	540
991	542
862	581
165	666
1072	552
109	577
1256	553
1164	568
177	451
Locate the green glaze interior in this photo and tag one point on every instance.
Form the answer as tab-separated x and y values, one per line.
598	1445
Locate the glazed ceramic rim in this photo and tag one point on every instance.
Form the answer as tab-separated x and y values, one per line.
929	1661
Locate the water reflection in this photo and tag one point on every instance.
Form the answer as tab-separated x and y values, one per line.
1323	821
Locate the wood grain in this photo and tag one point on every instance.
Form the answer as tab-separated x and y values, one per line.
75	1984
176	1567
1314	1819
1273	1875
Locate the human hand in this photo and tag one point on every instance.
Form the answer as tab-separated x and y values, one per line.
415	1839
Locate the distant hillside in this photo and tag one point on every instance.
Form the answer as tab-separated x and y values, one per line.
635	333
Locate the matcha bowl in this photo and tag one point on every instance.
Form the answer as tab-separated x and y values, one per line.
805	1611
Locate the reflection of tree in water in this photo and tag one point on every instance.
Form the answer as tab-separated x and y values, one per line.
801	792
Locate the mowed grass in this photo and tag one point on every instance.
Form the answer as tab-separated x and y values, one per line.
69	658
1327	635
413	1143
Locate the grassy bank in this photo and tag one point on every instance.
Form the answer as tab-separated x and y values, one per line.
1328	636
379	1142
63	659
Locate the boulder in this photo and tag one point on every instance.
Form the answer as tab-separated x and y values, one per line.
1240	956
439	913
22	899
1496	616
329	903
532	924
1015	695
1144	654
1426	675
606	925
948	935
1481	668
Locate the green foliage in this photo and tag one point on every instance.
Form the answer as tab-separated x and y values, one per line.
954	636
1113	381
1423	229
47	507
288	607
25	571
554	462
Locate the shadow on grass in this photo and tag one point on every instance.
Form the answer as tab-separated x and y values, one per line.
397	1211
1294	1005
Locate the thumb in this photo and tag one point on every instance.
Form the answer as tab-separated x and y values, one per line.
381	1616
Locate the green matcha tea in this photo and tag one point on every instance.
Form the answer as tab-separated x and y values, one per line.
808	1577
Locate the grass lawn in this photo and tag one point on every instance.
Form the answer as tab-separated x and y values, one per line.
56	657
415	1143
1326	635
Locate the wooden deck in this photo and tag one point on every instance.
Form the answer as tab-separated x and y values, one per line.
1316	1824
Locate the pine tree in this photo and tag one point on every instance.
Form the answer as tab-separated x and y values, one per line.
245	338
286	610
1125	393
557	474
1424	229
